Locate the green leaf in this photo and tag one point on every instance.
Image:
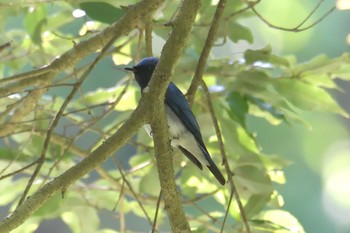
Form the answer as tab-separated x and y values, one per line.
238	32
343	72
315	63
81	219
233	6
15	185
72	220
320	80
264	55
262	105
238	107
29	226
34	20
58	20
280	219
102	11
51	209
162	32
201	229
325	68
252	180
139	159
251	82
150	183
256	203
307	97
234	31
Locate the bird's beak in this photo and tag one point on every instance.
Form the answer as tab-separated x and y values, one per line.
132	69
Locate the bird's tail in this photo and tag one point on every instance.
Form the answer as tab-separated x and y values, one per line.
213	168
216	172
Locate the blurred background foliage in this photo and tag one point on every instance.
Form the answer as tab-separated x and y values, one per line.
281	98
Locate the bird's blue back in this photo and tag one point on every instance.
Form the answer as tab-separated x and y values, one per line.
178	103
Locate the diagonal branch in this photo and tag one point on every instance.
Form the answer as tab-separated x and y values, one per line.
209	42
225	160
129	21
58	115
44	76
110	146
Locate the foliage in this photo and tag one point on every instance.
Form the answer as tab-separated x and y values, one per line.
263	85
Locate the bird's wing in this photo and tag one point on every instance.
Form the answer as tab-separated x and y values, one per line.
178	103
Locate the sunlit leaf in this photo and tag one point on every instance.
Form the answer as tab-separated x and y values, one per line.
51	208
262	105
255	204
321	80
252	180
81	219
281	220
307	97
29	226
264	55
150	183
72	220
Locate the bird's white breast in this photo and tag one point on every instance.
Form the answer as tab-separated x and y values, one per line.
180	135
176	127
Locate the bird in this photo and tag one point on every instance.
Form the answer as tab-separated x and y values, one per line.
184	131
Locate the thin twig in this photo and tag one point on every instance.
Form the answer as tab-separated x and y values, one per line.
121	194
19	170
226	212
224	156
18	154
57	117
131	189
154	225
122	215
4	46
298	27
148	36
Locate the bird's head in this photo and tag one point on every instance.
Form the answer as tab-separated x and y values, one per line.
143	70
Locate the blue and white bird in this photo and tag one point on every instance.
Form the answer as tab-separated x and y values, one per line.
184	130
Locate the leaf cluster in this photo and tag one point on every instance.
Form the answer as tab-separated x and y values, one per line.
260	85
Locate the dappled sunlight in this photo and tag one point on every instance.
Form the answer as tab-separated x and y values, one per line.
336	176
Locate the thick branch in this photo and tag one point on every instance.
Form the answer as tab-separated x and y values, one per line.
114	143
61	183
44	76
171	53
69	59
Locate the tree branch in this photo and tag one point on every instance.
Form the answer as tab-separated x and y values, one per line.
112	144
45	75
225	160
298	27
61	183
69	59
171	53
209	42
